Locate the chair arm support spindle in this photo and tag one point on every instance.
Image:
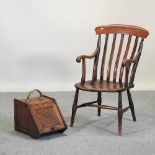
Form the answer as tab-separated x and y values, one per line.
83	70
127	63
83	58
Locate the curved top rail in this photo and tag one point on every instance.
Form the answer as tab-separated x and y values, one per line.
123	29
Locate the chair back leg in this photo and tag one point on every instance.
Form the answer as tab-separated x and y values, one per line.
131	105
120	113
99	101
74	107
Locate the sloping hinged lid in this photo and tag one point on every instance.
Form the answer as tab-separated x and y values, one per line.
46	113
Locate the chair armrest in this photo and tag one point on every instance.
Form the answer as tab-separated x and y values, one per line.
79	58
128	61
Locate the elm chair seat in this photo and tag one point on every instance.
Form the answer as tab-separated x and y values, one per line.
102	86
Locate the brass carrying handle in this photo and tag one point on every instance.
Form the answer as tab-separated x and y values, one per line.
29	94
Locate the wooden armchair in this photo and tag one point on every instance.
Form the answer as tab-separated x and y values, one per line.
118	75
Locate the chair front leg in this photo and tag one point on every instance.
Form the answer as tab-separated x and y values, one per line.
131	105
74	107
99	101
120	113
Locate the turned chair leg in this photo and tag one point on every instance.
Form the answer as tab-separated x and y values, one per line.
131	105
120	113
99	100
74	107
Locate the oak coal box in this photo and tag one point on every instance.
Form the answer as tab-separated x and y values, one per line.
37	116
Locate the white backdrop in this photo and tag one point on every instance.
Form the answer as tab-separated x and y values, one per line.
40	39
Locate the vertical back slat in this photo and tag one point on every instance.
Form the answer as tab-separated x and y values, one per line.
134	48
94	77
125	56
118	57
104	57
136	63
127	47
111	57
